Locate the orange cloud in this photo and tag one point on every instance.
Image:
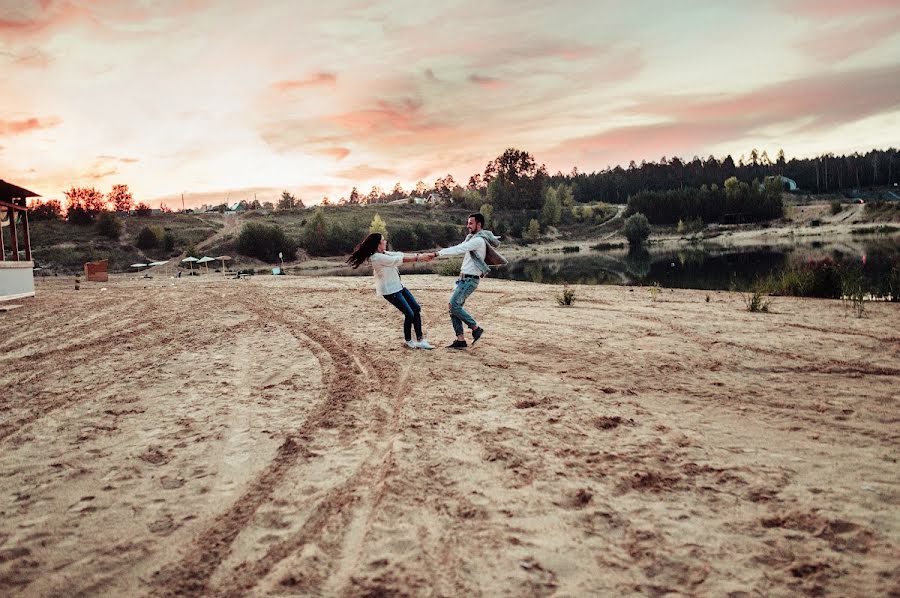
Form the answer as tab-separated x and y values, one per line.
117	159
364	171
17	127
338	153
320	78
100	174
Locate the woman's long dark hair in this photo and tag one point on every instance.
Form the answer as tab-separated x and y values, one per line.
364	250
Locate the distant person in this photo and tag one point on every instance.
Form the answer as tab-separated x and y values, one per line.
388	284
478	257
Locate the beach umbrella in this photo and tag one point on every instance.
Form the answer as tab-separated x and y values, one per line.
138	266
190	260
224	258
163	263
206	260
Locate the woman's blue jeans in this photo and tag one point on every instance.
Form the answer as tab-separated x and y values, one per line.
406	303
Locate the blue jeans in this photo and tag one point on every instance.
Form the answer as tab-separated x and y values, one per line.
464	287
406	303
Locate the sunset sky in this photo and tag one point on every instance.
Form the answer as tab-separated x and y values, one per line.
231	98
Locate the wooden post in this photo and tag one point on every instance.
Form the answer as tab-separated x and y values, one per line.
14	239
27	237
2	247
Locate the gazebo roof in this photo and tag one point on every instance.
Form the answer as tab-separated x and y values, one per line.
9	192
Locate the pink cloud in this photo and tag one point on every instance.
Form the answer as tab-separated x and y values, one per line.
839	8
48	15
320	78
17	127
695	123
486	82
403	115
841	42
828	100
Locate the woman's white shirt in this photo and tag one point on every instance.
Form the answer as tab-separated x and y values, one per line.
386	273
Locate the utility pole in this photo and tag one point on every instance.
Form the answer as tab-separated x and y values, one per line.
182	202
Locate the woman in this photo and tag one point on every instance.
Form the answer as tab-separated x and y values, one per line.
387	282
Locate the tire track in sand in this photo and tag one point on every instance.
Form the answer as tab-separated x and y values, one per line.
343	517
345	383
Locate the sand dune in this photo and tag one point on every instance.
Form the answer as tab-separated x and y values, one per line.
273	437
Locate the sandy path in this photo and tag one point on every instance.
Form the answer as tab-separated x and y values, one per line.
272	437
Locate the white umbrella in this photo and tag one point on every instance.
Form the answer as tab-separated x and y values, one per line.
138	266
191	261
206	260
164	263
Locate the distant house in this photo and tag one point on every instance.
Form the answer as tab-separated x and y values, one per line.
434	198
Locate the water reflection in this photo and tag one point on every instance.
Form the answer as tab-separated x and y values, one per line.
712	267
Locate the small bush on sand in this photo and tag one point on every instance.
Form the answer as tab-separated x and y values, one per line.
757	301
567	297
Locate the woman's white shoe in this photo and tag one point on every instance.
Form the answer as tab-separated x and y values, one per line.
424	344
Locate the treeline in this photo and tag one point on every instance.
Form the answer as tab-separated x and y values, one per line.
737	201
823	174
327	235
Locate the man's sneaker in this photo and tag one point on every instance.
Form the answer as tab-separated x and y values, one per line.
476	334
412	344
424	344
458	345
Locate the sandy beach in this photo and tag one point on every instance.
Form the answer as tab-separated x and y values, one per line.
273	436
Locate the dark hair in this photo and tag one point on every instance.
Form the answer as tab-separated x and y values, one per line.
478	216
364	250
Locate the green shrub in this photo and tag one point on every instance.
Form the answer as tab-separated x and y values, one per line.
534	231
853	290
836	207
447	267
168	241
147	238
403	238
756	300
637	229
108	225
265	241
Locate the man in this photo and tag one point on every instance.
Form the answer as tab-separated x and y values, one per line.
475	249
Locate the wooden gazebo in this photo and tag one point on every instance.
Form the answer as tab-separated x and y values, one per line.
16	274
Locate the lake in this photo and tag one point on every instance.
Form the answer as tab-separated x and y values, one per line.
710	265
